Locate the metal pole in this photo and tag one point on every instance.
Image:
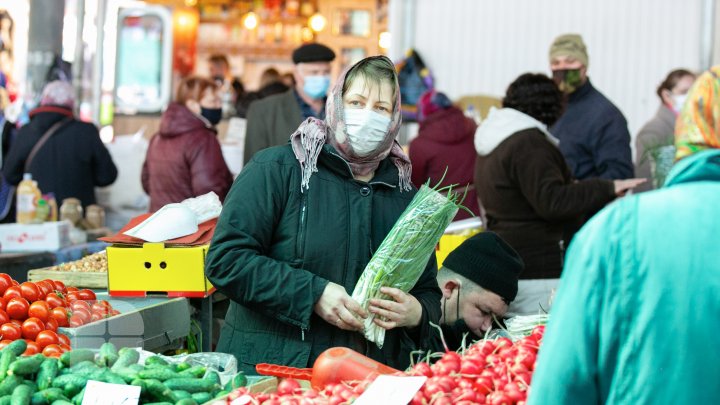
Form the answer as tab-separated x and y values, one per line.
44	41
98	60
707	33
79	58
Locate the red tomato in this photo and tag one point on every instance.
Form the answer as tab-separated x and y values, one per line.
75	321
64	340
64	347
99	309
83	314
72	289
60	315
103	304
40	310
113	312
59	286
30	291
2	303
17	308
95	317
16	322
31	327
12	292
52	350
53	300
46	337
71	297
32	348
10	331
86	294
5	282
46	287
52	324
80	305
4	318
4	343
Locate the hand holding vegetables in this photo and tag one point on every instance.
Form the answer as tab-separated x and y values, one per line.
403	310
336	307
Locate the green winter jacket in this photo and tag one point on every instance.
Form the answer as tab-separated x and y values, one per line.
635	320
275	249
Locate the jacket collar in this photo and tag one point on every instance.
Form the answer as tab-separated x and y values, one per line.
666	115
581	91
701	166
502	124
386	173
51	109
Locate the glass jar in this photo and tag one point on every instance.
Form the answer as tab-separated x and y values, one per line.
71	210
95	216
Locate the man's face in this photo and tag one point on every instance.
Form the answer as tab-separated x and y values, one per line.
476	306
563	62
303	70
218	70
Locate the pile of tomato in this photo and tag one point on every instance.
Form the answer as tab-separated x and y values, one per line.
35	311
494	372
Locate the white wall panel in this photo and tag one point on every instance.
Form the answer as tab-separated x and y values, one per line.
480	46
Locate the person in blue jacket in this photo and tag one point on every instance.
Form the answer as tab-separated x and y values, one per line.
635	316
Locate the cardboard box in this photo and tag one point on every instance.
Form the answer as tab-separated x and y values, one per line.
455	234
153	268
34	237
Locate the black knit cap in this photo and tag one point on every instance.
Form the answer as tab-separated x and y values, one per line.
488	261
313	53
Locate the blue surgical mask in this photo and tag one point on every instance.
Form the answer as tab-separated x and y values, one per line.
316	87
213	115
366	130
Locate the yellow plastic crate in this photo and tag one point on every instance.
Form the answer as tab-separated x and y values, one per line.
449	242
154	268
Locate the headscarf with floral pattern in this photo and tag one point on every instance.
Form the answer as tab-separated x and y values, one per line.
698	125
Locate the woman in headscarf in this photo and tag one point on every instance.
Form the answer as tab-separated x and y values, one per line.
302	221
634	319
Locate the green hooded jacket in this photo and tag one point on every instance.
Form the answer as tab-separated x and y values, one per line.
275	249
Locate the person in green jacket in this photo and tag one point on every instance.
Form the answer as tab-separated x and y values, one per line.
302	221
635	316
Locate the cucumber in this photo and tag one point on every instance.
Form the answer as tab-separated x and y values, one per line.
179	394
6	358
17	346
219	394
186	401
213	376
69	379
202	397
26	365
76	356
85	369
108	355
47	396
158	373
127	374
195	371
159	391
112	378
61	402
156	360
21	395
8	385
159	403
126	357
182	367
48	371
78	398
6	400
136	367
140	383
238	380
191	385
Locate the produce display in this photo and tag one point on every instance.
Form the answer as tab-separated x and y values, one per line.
495	372
96	263
43	380
35	311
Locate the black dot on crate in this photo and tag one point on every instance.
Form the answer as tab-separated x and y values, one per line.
148	265
163	265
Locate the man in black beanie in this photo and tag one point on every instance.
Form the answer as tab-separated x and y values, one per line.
478	279
272	120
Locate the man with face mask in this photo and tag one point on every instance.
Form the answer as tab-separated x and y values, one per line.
272	120
593	133
478	280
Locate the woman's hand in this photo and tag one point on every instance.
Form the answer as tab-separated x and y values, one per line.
622	186
336	307
403	310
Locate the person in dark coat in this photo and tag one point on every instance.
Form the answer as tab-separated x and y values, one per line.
593	133
184	158
73	161
271	120
270	84
443	149
302	221
527	189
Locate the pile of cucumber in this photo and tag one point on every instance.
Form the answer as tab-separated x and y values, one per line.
40	380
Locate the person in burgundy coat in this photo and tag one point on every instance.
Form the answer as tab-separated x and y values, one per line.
184	158
445	142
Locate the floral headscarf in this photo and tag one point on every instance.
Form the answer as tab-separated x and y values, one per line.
308	140
698	126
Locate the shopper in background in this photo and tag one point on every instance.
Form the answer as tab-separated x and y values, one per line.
270	84
301	223
231	88
593	133
184	158
634	320
657	135
479	279
443	149
273	119
526	187
71	161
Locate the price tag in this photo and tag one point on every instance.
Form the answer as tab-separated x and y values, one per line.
391	390
100	393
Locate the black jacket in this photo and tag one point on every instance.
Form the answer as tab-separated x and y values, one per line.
71	163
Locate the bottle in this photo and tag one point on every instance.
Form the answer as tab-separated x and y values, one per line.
42	211
27	196
71	210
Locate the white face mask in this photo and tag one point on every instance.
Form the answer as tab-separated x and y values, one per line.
678	101
365	129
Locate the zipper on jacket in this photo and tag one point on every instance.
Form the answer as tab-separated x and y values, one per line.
302	333
561	245
300	248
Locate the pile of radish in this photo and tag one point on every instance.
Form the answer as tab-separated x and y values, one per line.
495	372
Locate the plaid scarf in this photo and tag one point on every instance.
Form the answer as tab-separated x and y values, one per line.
698	126
308	140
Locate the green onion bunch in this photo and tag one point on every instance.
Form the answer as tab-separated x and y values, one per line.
405	251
